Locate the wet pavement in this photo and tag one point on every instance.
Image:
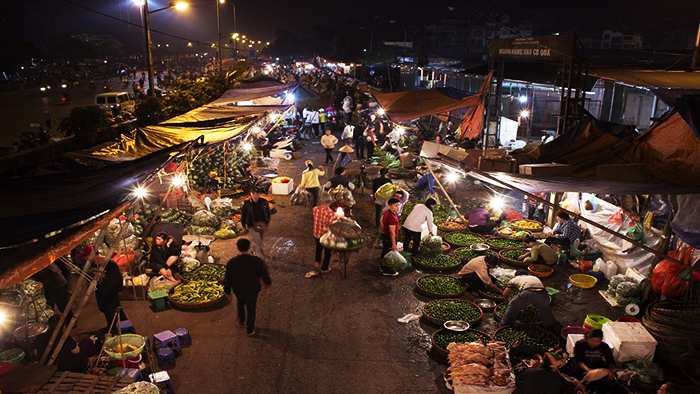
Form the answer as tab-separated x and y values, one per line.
324	334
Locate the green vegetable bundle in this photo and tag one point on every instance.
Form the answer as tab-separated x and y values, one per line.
198	291
464	239
437	260
206	272
505	243
529	315
431	245
439	284
443	338
527	336
444	310
466	254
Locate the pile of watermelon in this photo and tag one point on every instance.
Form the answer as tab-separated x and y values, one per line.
224	159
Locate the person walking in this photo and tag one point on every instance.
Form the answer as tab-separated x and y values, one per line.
310	181
47	119
390	233
348	132
322	121
328	142
371	140
347	108
376	184
316	122
359	139
344	158
255	217
243	275
413	226
323	217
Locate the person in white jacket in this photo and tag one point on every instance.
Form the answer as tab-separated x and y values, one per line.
413	226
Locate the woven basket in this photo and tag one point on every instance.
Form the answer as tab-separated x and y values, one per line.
498	318
346	228
515	263
490	297
541	227
457	246
441	227
437	268
554	337
532	267
498	233
445	352
490	243
439	322
430	294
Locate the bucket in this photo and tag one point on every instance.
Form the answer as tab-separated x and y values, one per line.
130	363
627	319
594	322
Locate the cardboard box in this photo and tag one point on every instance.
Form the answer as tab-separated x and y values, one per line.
497	164
283	188
636	173
629	341
546	169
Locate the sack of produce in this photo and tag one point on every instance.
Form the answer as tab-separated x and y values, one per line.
333	241
614	281
628	289
128	244
113	229
139	388
394	260
201	230
225	233
188	264
160	283
205	218
222	207
346	228
230	223
431	245
301	197
385	192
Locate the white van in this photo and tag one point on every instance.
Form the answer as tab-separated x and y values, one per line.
121	100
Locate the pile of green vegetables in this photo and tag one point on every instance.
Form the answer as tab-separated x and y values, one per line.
439	284
529	315
445	310
491	292
197	291
540	270
437	260
166	215
443	338
527	336
440	212
464	239
466	254
505	243
387	159
513	254
206	272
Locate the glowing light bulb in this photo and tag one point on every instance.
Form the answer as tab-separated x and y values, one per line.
247	146
140	192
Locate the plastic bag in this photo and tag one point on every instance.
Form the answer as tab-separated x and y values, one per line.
664	278
188	264
394	260
333	241
225	233
431	245
113	229
385	192
205	218
139	388
160	283
200	230
347	228
301	197
222	207
628	289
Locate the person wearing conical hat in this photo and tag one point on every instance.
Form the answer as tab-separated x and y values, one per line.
344	157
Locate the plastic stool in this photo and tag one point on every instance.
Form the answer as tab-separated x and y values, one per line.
162	378
183	335
127	327
165	354
166	339
131	373
157	299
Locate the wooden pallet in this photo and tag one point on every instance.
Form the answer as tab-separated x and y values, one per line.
77	383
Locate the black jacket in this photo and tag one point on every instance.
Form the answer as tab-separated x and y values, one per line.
340	180
112	283
379	182
160	255
243	275
253	212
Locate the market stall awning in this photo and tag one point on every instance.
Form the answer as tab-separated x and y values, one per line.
147	140
652	78
33	206
223	112
402	106
233	96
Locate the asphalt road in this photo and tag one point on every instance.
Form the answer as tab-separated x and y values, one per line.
20	108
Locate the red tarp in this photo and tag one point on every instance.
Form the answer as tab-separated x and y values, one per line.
473	121
402	106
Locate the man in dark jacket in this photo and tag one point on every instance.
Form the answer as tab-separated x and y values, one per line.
359	140
55	287
109	285
255	217
243	275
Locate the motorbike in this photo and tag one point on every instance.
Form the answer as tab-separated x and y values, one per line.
65	99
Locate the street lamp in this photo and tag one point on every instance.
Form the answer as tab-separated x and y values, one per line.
405	34
181	5
371	37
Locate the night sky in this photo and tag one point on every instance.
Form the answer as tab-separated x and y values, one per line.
43	21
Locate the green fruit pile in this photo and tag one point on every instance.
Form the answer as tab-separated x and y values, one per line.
489	291
440	284
166	215
466	254
223	159
527	336
529	315
463	239
513	254
445	310
197	291
438	260
505	243
444	337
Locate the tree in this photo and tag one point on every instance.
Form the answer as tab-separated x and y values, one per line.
89	126
150	110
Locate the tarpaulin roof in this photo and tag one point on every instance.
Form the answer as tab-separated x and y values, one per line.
147	140
652	78
222	112
232	96
33	206
402	106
